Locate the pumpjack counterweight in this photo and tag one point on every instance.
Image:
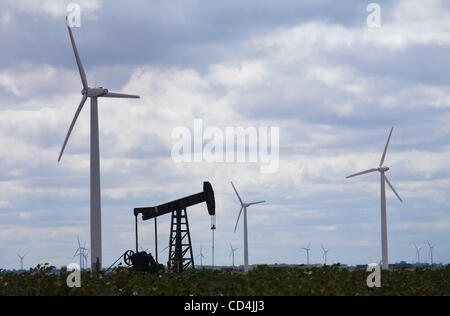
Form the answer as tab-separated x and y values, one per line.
180	245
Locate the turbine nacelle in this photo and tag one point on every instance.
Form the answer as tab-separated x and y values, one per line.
95	92
383	169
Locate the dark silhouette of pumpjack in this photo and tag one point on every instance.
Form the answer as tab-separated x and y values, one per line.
180	246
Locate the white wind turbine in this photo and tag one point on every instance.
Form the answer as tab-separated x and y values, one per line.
307	249
418	249
382	169
82	253
431	251
232	252
244	207
201	256
21	260
325	252
94	94
79	252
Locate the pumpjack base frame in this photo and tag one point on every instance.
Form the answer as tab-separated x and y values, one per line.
180	246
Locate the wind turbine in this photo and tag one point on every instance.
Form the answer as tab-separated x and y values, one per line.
244	207
325	251
94	94
21	260
307	249
431	251
418	249
201	257
80	252
85	256
382	169
232	252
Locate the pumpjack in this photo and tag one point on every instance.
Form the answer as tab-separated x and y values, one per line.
180	246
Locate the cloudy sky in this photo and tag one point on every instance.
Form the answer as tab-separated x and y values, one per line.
333	86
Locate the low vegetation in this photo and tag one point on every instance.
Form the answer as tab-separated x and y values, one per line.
262	281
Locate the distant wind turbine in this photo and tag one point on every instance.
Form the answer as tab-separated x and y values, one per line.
431	251
201	256
94	94
382	169
307	249
232	252
244	207
85	256
418	249
21	260
325	252
80	252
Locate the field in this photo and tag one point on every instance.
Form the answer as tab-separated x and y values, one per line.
262	281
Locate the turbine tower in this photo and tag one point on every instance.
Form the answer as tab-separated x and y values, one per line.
431	251
232	252
418	249
307	249
383	178
244	207
325	251
93	94
21	260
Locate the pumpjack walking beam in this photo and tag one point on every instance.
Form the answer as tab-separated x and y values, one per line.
177	256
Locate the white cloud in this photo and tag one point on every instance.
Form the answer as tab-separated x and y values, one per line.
6	17
36	81
327	228
25	215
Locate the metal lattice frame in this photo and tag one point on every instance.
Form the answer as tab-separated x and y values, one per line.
180	250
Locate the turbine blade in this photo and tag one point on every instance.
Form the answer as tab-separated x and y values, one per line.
77	57
256	203
363	172
385	148
392	188
80	107
239	197
120	95
235	227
